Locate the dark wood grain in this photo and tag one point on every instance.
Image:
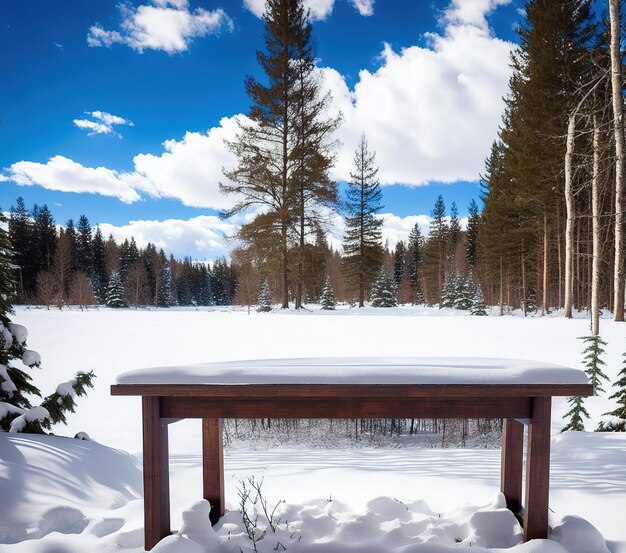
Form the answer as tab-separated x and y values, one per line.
300	391
205	407
538	471
213	467
156	489
512	463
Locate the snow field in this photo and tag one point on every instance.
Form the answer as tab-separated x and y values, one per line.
588	470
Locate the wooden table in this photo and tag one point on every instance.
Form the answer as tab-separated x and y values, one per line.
520	392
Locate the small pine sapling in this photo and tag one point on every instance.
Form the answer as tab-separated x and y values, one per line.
465	293
115	294
478	303
618	421
264	302
328	300
575	414
593	361
384	291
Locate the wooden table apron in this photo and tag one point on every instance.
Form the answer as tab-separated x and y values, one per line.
517	404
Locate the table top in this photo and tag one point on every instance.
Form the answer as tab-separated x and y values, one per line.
359	371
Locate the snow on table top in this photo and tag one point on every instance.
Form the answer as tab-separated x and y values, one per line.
361	370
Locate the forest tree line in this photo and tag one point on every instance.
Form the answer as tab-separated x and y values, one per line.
75	264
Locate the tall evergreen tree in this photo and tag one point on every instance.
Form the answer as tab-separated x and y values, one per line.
84	250
439	235
99	278
283	150
415	257
45	238
399	262
363	238
471	244
549	68
21	236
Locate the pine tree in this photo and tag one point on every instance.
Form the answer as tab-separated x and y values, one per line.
84	250
21	236
284	149
592	355
414	261
115	295
454	231
363	238
166	296
620	411
328	300
438	237
99	278
471	234
465	293
449	295
399	263
45	238
17	414
575	414
384	291
478	303
264	302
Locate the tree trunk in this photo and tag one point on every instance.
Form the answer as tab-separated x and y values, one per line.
618	118
285	284
569	222
524	294
544	300
595	225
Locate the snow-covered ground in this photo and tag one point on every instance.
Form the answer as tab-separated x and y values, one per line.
66	496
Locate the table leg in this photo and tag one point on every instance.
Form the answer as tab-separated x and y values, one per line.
156	489
512	464
213	467
538	470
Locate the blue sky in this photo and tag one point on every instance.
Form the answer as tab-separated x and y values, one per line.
119	110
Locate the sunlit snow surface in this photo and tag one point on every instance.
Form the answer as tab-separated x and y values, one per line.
361	370
66	496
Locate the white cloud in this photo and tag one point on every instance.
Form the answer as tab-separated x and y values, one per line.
104	124
166	25
471	12
3	178
65	175
364	7
396	229
320	9
430	113
203	237
190	169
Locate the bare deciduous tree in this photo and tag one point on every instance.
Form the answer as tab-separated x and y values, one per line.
46	288
81	291
137	285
